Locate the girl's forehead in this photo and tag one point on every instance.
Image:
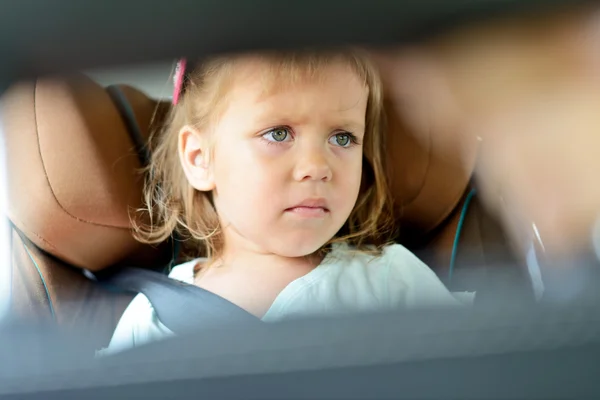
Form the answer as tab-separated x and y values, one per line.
256	88
340	101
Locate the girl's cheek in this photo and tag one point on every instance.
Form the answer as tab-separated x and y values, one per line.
348	154
265	148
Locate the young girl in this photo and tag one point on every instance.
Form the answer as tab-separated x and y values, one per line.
271	166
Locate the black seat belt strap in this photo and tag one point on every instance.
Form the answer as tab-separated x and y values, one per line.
181	307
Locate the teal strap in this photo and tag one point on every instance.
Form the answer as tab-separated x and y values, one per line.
461	221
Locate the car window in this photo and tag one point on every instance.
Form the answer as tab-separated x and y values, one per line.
152	78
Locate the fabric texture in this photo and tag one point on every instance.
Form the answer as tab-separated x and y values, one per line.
345	282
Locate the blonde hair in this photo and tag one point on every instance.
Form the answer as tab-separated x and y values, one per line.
173	206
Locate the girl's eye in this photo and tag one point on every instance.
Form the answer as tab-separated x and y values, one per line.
277	135
342	139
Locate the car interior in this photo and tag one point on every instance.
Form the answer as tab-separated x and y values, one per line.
75	144
77	149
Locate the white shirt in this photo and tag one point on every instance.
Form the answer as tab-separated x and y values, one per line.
346	281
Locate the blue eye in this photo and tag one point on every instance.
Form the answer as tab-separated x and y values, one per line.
277	135
344	139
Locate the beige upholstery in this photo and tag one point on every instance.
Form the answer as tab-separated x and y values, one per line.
74	173
428	174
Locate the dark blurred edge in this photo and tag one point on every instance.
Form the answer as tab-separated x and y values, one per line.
503	353
41	37
534	375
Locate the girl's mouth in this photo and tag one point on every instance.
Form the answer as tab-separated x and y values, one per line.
308	212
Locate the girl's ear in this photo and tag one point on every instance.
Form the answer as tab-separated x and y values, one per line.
194	153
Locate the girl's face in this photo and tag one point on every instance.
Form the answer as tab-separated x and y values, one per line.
286	164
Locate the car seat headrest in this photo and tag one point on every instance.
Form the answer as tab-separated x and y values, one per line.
431	152
428	173
74	173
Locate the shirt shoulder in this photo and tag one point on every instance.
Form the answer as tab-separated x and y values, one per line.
349	281
411	283
396	276
139	323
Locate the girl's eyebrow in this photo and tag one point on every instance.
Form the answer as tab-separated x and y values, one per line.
345	125
352	126
270	114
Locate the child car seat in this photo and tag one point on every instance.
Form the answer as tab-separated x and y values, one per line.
73	177
74	157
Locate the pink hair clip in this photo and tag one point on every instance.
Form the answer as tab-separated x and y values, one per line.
178	79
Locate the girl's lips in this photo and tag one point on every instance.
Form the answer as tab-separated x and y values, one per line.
308	212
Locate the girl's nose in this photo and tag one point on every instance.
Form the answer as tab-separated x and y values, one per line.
313	165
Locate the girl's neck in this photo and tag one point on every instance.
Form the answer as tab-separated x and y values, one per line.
253	280
250	260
